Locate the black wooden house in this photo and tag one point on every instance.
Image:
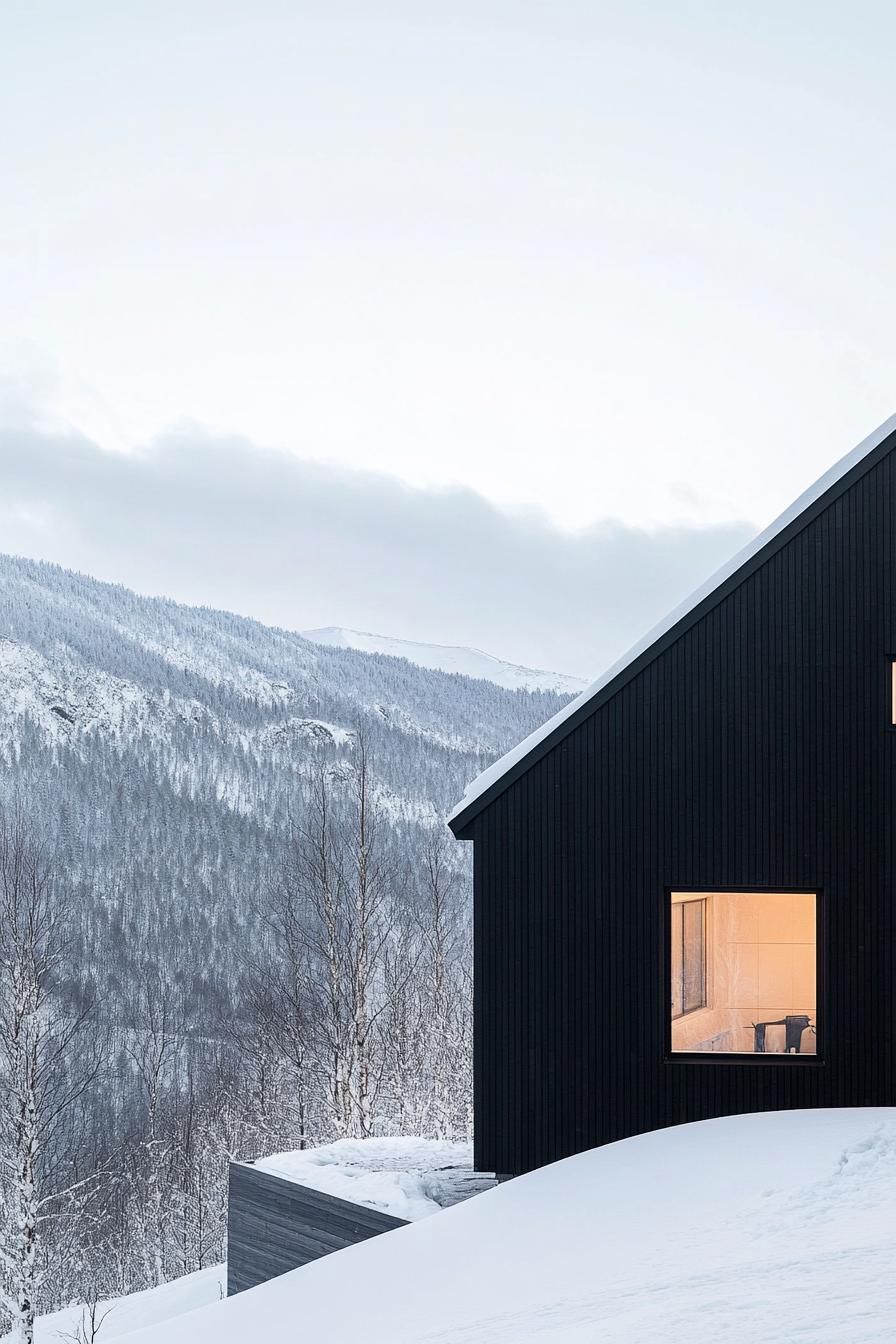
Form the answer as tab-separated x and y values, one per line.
685	884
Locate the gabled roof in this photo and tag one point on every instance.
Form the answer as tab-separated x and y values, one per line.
813	501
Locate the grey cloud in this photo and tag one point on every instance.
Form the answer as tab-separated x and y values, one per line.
219	521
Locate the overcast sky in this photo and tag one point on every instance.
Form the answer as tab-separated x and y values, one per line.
222	522
628	266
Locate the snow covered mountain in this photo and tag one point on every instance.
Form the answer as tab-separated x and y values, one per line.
449	658
166	747
82	660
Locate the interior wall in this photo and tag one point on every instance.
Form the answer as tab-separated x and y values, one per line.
760	967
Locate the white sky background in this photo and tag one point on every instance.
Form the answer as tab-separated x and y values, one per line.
607	262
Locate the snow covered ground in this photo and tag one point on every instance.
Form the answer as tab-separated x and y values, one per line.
755	1228
407	1178
123	1315
450	658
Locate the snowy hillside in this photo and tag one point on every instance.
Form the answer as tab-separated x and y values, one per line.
166	748
448	658
174	761
121	1316
221	712
760	1228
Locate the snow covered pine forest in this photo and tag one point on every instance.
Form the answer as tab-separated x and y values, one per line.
235	922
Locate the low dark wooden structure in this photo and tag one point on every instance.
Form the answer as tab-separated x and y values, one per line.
746	748
274	1225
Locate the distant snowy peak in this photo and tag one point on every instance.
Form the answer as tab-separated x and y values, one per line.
448	658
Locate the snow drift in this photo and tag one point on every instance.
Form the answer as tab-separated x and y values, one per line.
121	1316
752	1228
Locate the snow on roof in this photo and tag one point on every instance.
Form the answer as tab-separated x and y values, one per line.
482	783
766	1227
405	1177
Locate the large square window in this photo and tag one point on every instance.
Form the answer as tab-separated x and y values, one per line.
743	973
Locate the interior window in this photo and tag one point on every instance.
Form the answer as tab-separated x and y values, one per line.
743	973
688	957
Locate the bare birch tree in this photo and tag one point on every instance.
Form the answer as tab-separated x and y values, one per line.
155	1046
446	987
308	920
281	1002
46	1067
318	989
426	998
368	933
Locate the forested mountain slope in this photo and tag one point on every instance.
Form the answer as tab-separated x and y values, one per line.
267	931
167	746
100	688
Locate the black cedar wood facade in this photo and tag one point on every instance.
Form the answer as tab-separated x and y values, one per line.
749	747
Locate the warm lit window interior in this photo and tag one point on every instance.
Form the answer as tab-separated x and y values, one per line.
743	972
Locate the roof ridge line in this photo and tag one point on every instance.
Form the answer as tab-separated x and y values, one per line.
835	475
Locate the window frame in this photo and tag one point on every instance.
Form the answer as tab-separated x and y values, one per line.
710	1058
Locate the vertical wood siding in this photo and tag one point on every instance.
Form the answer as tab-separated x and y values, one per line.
274	1225
756	751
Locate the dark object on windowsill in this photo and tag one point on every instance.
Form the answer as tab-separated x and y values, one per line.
794	1027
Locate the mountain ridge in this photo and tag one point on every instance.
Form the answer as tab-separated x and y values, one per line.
222	709
455	658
